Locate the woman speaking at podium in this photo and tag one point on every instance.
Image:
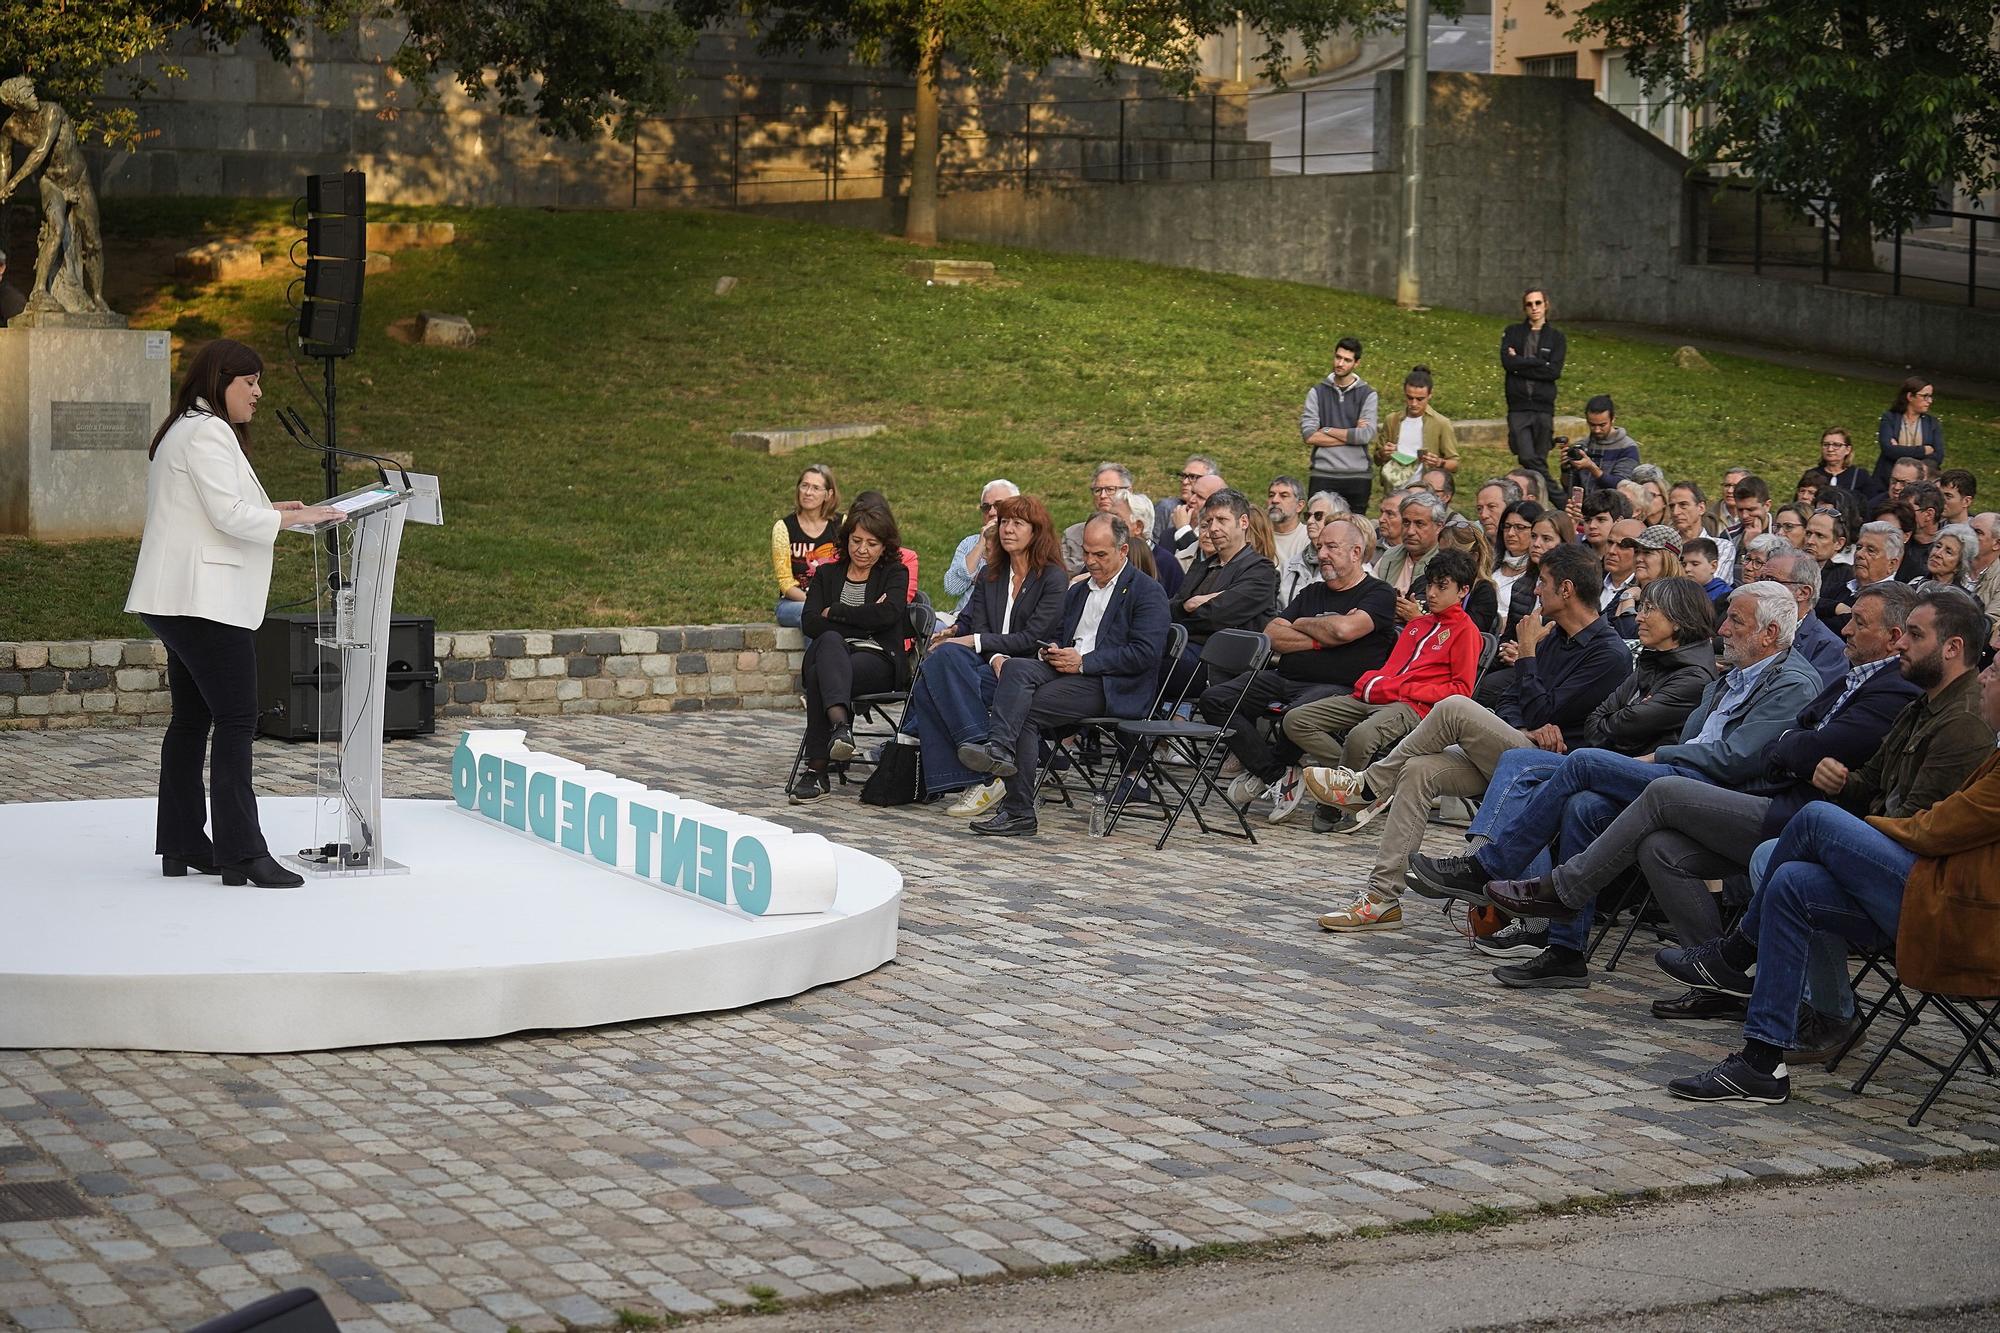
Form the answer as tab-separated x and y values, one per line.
204	570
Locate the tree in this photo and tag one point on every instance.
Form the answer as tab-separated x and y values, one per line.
985	38
1873	104
578	66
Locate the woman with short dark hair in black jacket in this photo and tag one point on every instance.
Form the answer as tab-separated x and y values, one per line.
854	621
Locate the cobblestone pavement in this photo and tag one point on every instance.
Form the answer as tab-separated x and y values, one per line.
1082	1047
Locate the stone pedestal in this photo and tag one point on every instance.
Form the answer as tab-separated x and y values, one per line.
78	406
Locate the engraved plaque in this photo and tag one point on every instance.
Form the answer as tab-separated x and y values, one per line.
100	425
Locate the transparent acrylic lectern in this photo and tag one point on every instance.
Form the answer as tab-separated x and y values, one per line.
355	598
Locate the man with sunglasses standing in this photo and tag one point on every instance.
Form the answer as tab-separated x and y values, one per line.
1532	354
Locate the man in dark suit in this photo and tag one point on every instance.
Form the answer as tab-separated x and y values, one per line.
1105	662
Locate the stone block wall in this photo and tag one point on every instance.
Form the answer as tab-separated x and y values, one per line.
505	673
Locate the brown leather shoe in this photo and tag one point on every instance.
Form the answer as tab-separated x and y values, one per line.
1529	897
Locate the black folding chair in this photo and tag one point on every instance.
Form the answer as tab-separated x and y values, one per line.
1090	746
1879	964
1229	654
878	714
1978	1029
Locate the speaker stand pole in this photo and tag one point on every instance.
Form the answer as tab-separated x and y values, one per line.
330	464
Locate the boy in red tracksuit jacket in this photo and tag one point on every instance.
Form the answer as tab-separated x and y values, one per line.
1436	657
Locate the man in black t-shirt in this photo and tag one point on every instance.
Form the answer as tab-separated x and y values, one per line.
1332	634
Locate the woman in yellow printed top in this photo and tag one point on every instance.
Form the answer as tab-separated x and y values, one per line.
805	539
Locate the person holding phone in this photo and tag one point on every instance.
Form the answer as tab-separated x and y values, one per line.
203	573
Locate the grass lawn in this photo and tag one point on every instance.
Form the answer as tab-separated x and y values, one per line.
584	442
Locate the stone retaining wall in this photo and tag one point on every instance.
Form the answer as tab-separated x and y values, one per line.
679	669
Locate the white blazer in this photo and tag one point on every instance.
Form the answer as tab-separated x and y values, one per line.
209	528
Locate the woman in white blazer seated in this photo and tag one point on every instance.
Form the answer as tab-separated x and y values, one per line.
204	569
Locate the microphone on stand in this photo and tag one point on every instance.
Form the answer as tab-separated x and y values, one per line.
302	436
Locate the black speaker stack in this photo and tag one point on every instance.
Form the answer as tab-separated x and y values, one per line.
336	262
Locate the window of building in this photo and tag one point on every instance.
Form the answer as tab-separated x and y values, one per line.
1550	67
1652	112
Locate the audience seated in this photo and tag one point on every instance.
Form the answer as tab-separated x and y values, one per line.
1322	508
1698	556
1014	609
1235	588
968	561
1958	487
1750	562
1687	518
1789	522
1749	514
1723	741
1104	662
1110	486
1421	516
805	539
1482	602
1836	462
1926	503
1436	657
1903	474
1798	574
1595	515
1651	505
1284	507
1389	525
1950	562
1179	540
1327	638
1532	485
1986	564
1620	600
854	621
1460	747
1844	868
1196	467
1491	500
1515	524
1876	554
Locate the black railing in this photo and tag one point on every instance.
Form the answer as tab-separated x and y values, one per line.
748	158
1788	236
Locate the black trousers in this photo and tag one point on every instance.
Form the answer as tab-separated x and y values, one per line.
1267	758
1531	435
1033	695
212	674
1354	490
833	673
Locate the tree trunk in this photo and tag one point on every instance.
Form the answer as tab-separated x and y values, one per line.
920	222
1856	252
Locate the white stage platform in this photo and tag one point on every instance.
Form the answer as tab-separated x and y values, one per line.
489	933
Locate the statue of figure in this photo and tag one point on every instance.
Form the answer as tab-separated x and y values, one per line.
69	259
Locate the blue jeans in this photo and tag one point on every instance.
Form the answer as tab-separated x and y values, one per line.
950	707
1802	894
1614	778
1515	778
1828	987
790	613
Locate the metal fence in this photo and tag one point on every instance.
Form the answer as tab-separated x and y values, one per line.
1789	238
751	158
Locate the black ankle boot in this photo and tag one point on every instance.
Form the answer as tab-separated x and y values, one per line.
263	872
173	867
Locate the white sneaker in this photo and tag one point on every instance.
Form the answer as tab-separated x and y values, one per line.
1334	786
977	800
1287	793
1245	788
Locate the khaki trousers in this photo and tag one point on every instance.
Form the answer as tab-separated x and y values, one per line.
1422	768
1343	730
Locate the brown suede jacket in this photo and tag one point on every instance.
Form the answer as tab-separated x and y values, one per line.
1948	941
